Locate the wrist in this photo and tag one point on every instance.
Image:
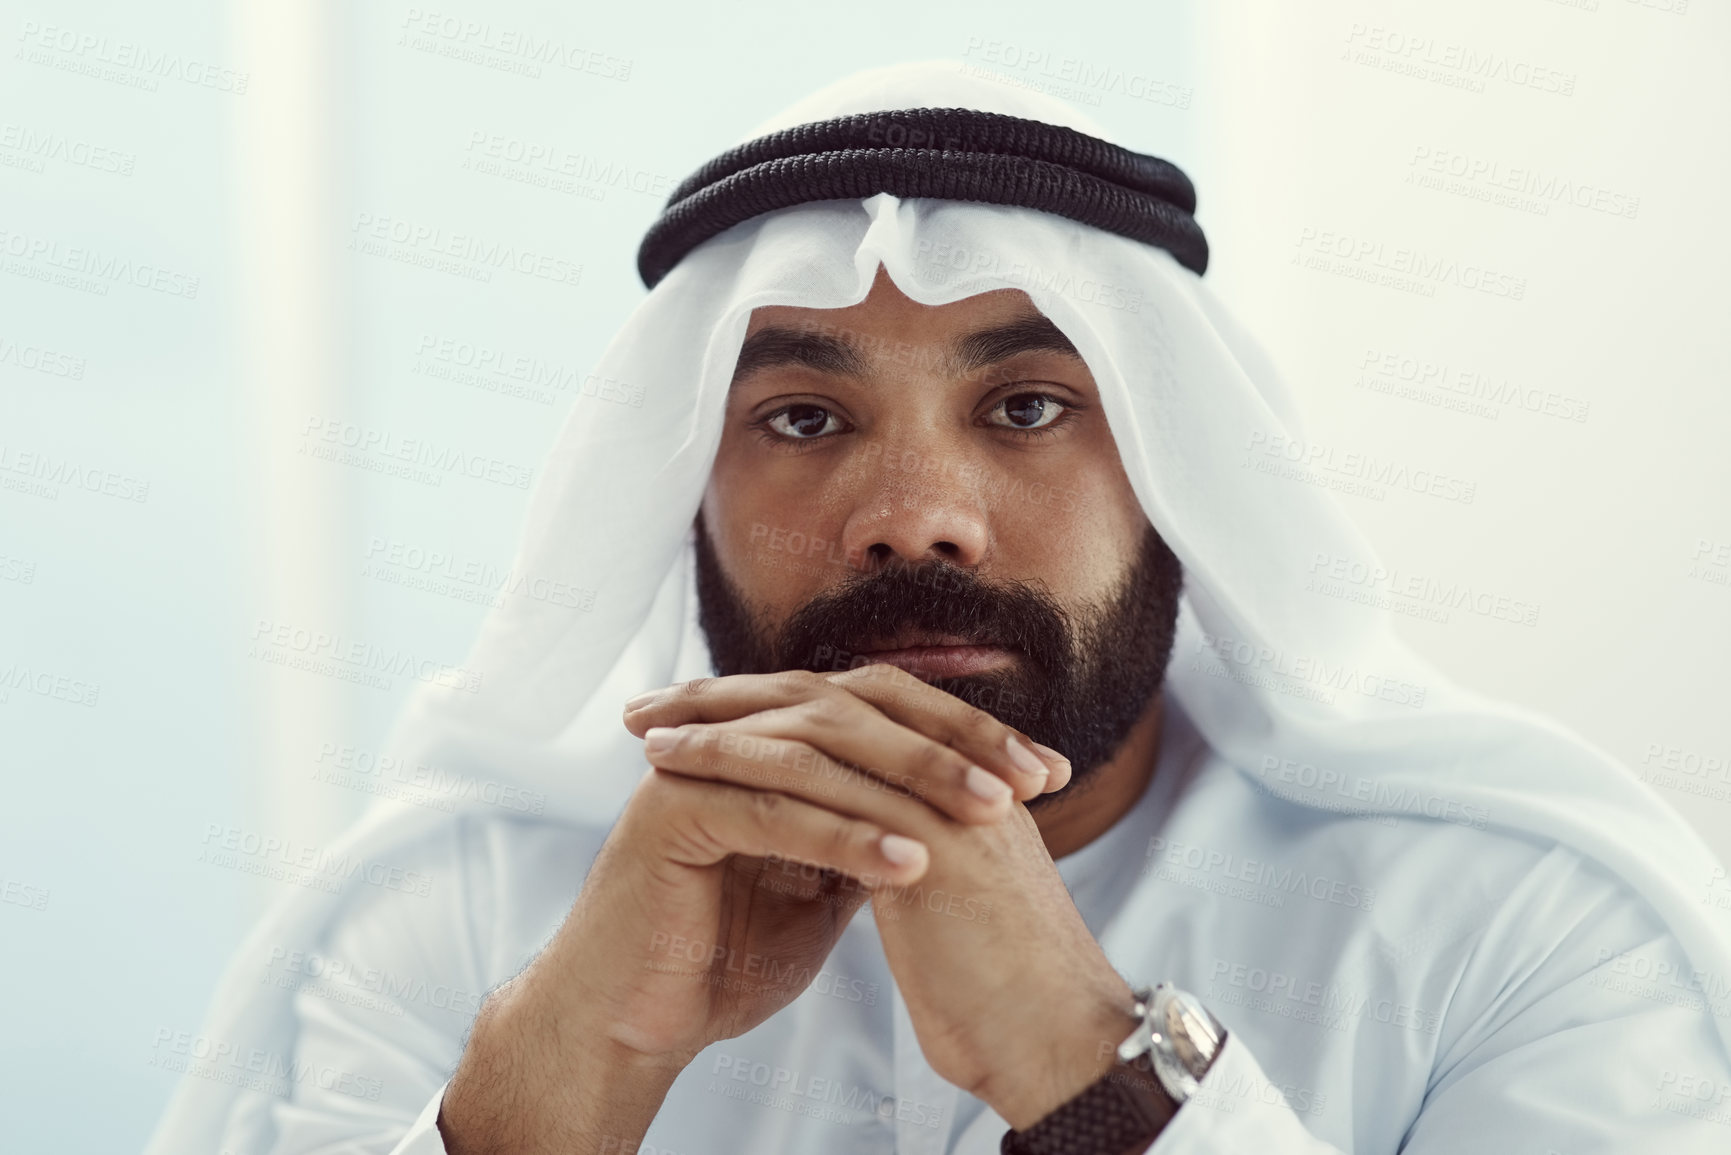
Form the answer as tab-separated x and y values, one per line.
536	1078
1160	1066
1062	1052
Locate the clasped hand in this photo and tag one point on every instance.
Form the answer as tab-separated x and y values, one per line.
907	794
775	806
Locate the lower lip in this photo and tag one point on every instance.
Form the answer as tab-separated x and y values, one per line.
945	661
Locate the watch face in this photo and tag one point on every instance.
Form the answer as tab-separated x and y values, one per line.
1191	1037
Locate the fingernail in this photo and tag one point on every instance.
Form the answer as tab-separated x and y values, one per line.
660	739
1025	759
641	700
1048	753
987	786
901	851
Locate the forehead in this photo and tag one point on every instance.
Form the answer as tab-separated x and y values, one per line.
886	307
957	339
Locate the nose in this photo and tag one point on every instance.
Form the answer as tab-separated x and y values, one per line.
911	515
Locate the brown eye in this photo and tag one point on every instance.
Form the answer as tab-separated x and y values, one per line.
802	422
1028	410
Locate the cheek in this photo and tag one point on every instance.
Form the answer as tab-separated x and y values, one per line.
778	544
1079	525
804	556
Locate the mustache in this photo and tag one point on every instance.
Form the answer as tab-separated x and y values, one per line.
1080	679
935	597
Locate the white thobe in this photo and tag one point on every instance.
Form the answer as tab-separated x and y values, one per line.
1418	984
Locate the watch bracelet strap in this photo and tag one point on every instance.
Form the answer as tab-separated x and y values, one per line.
1122	1111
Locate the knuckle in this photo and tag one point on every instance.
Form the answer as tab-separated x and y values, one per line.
827	708
936	763
697	686
695	742
845	677
944	771
894	677
765	807
843	840
798	683
975	725
872	674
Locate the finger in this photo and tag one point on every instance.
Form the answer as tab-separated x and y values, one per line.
700	823
743	754
952	721
850	733
980	738
720	699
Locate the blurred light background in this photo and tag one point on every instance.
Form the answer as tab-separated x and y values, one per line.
1484	239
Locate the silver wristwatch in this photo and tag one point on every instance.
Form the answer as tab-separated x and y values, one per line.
1178	1034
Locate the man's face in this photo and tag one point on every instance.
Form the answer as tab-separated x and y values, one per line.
936	487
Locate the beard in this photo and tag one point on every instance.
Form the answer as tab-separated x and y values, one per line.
1080	679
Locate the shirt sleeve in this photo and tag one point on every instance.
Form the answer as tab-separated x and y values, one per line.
1237	1109
424	1137
1598	1041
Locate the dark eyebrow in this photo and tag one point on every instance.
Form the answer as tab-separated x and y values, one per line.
986	347
774	346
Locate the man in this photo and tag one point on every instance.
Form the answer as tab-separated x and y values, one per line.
981	837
